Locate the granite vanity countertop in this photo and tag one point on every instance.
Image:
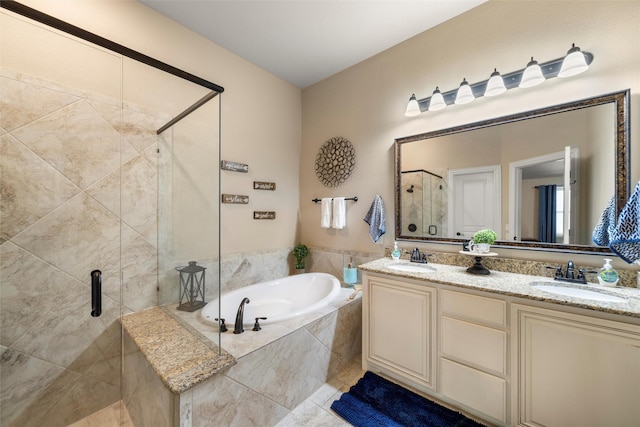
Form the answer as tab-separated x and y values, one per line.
163	341
513	284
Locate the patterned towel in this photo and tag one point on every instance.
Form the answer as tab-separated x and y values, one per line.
375	219
625	237
602	232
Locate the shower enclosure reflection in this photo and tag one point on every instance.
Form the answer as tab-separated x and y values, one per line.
424	205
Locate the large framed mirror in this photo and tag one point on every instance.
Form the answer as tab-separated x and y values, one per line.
541	179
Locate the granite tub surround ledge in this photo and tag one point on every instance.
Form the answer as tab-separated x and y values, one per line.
179	357
515	285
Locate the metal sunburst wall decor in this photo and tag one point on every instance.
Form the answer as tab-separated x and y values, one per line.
335	161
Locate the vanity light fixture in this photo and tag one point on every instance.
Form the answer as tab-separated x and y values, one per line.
495	85
413	109
464	94
575	62
437	101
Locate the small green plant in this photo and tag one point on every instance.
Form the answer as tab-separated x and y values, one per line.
300	252
485	236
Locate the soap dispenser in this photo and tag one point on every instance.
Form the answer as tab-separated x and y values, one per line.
395	253
607	276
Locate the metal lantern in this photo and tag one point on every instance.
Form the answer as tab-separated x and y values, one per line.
191	287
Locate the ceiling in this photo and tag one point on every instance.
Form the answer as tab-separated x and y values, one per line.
305	41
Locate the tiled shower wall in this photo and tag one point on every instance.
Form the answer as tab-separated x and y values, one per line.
78	186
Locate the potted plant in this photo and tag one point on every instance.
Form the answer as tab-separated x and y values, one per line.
484	239
300	252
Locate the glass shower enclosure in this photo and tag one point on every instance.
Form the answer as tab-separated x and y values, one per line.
98	209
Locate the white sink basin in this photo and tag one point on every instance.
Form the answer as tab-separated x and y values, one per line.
578	293
412	268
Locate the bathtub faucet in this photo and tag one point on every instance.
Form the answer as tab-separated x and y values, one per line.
239	316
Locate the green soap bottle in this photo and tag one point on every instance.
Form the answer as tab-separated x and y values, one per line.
607	276
395	253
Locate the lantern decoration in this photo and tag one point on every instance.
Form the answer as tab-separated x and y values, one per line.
191	287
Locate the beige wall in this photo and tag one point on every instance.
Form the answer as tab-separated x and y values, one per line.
366	102
261	114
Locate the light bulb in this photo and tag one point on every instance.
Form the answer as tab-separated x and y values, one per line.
437	101
413	108
574	63
532	75
465	94
495	85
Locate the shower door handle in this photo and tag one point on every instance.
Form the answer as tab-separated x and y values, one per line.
96	293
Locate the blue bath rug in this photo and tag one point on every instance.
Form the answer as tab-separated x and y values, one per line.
376	402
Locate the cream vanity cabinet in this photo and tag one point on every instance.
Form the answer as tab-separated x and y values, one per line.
507	360
574	370
398	329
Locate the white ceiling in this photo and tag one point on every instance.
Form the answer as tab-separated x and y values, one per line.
305	41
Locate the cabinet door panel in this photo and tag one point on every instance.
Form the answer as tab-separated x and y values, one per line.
575	370
400	329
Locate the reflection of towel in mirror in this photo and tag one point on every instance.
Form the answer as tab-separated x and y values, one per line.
625	237
325	220
602	232
339	213
375	219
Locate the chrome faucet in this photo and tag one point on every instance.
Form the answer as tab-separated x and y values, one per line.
239	316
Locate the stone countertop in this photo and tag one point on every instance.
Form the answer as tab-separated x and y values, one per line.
513	284
163	340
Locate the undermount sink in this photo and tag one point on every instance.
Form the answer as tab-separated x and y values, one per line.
412	268
594	295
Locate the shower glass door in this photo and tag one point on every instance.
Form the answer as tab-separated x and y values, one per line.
94	196
62	158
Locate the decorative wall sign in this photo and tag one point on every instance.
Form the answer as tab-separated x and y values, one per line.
236	199
264	215
233	166
335	161
258	185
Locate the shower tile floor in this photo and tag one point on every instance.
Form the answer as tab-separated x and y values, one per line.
315	411
106	417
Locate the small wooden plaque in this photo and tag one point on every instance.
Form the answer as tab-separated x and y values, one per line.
264	215
236	199
259	185
234	166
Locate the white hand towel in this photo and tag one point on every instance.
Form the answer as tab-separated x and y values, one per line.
325	220
339	213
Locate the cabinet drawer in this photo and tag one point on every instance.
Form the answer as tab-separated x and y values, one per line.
477	390
474	307
479	345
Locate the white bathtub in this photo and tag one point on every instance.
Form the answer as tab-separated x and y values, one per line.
277	300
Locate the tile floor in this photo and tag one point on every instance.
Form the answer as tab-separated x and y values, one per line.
315	411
